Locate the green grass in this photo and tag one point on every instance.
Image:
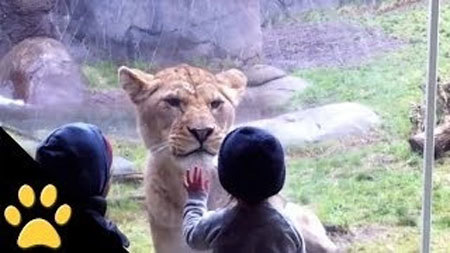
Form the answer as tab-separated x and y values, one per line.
380	84
131	150
353	188
130	216
103	75
125	203
402	241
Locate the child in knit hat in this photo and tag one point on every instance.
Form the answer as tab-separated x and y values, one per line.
77	158
251	169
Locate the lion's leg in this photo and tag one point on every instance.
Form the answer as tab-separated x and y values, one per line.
168	240
316	239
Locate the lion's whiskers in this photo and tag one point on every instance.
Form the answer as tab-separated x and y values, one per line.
159	147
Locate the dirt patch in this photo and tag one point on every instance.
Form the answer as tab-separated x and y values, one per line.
328	148
344	237
296	46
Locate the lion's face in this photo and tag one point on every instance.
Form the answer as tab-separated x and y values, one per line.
184	110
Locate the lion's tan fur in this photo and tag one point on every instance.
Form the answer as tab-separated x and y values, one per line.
164	129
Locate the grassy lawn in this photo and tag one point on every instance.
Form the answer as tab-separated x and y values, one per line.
356	185
103	75
125	200
128	211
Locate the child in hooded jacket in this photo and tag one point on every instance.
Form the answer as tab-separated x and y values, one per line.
78	158
251	169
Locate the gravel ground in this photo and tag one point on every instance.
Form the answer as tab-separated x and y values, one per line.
299	46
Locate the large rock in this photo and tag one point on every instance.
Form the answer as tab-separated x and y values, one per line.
122	167
5	44
21	19
260	74
177	30
9	102
40	71
270	99
329	122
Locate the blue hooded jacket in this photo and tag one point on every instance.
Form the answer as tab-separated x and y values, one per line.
77	155
77	158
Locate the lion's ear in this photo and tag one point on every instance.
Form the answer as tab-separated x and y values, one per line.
138	84
232	83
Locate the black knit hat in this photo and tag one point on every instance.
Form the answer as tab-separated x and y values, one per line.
251	164
78	156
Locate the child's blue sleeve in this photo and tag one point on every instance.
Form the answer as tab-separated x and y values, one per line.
200	227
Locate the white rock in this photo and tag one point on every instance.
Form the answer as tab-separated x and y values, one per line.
122	167
269	99
8	101
334	121
260	74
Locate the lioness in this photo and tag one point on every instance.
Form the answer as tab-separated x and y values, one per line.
183	115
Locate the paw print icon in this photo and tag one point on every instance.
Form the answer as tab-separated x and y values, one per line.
38	231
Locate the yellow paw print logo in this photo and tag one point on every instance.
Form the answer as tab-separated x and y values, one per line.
38	232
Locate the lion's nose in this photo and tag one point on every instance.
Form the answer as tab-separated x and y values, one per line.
201	134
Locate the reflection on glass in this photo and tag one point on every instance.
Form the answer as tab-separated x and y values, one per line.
340	83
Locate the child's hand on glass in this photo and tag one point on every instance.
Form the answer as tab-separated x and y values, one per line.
196	182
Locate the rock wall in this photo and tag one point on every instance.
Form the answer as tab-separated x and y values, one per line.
148	30
21	19
181	30
5	44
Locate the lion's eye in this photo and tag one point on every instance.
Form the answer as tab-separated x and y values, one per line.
216	103
175	102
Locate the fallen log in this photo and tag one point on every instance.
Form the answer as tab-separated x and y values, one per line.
441	137
442	130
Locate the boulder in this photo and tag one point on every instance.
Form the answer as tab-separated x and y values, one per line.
5	44
260	74
21	19
270	99
175	30
7	102
329	122
40	71
122	167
